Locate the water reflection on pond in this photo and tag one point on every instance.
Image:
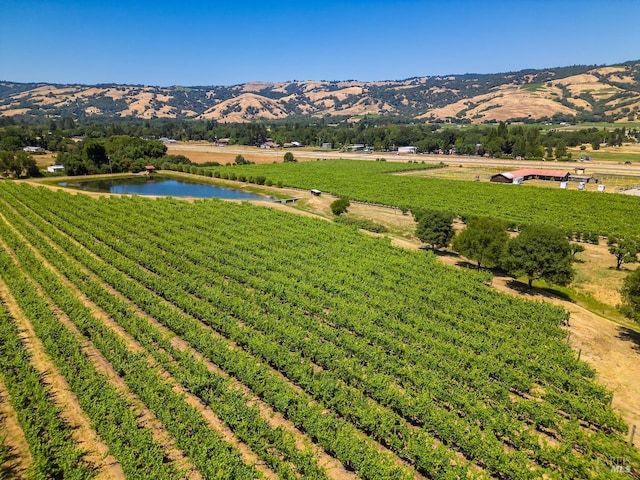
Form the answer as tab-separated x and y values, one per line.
161	186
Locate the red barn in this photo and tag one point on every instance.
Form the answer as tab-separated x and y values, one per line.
519	176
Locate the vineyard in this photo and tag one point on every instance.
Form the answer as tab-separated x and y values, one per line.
226	340
573	211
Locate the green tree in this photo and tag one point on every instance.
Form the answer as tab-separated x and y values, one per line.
631	295
340	206
73	164
561	149
519	147
95	156
484	241
624	249
434	227
540	252
240	160
18	164
288	157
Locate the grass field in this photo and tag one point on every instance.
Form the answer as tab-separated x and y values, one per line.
270	345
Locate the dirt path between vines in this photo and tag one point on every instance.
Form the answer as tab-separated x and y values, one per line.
13	437
145	418
97	452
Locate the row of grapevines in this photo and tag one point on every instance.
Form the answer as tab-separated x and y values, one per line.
213	457
110	414
336	436
54	452
165	254
144	253
230	405
531	444
452	340
372	182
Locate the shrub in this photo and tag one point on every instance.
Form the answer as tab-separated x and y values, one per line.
434	227
362	223
631	295
340	206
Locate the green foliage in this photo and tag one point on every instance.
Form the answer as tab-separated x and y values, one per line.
289	158
340	206
314	320
55	453
483	240
17	164
362	223
176	159
117	153
434	227
631	295
374	182
576	248
540	252
240	160
624	249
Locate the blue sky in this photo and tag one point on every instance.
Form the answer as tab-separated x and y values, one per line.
190	43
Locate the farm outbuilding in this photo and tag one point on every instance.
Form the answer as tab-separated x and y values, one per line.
34	149
583	178
518	176
407	150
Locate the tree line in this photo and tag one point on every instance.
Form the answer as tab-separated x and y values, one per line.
538	252
501	140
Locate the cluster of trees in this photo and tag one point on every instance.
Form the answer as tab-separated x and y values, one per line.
17	164
118	153
527	141
537	252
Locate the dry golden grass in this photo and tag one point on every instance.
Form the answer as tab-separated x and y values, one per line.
206	152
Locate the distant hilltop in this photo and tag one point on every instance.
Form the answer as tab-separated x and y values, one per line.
582	92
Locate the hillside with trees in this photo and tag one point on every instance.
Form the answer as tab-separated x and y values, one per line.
580	92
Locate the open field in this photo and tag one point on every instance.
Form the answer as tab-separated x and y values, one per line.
206	152
375	361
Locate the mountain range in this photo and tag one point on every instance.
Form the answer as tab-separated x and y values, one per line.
585	92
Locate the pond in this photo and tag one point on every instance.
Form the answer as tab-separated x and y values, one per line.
162	186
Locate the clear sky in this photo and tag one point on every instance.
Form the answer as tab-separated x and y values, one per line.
168	42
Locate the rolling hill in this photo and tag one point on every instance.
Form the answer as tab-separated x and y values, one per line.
586	92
